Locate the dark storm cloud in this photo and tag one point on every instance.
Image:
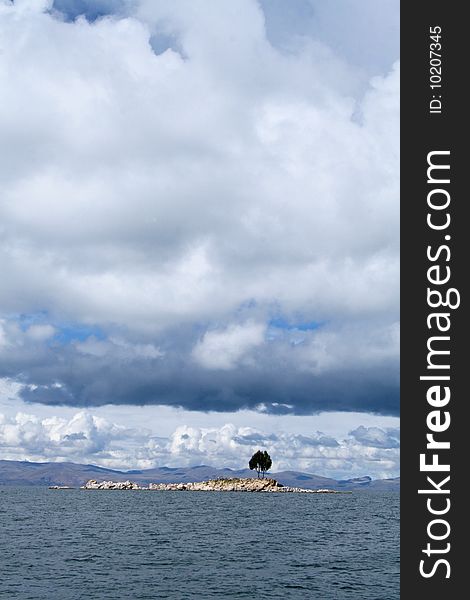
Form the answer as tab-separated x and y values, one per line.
97	372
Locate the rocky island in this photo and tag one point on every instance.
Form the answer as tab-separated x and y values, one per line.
212	485
260	462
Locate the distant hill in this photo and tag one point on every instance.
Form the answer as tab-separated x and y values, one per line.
24	473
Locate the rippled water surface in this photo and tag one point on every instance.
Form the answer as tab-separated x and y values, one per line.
121	544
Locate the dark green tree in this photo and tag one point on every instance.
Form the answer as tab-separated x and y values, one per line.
261	461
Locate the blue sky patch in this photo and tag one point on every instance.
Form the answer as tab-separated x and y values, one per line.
66	332
283	323
90	9
76	332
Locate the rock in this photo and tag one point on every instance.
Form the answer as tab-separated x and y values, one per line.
92	484
212	485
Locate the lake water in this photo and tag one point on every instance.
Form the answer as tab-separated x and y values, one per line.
97	545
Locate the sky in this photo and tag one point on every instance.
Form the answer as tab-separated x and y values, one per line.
199	233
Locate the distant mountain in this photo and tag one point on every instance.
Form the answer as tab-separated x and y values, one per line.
24	473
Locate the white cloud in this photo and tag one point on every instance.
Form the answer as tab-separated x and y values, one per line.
129	207
376	437
78	438
3	334
224	349
11	334
330	349
40	333
87	438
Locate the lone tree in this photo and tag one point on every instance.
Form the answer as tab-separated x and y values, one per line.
261	461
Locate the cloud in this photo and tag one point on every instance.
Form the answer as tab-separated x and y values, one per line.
40	332
82	436
366	33
87	438
376	437
224	349
300	372
117	349
167	199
